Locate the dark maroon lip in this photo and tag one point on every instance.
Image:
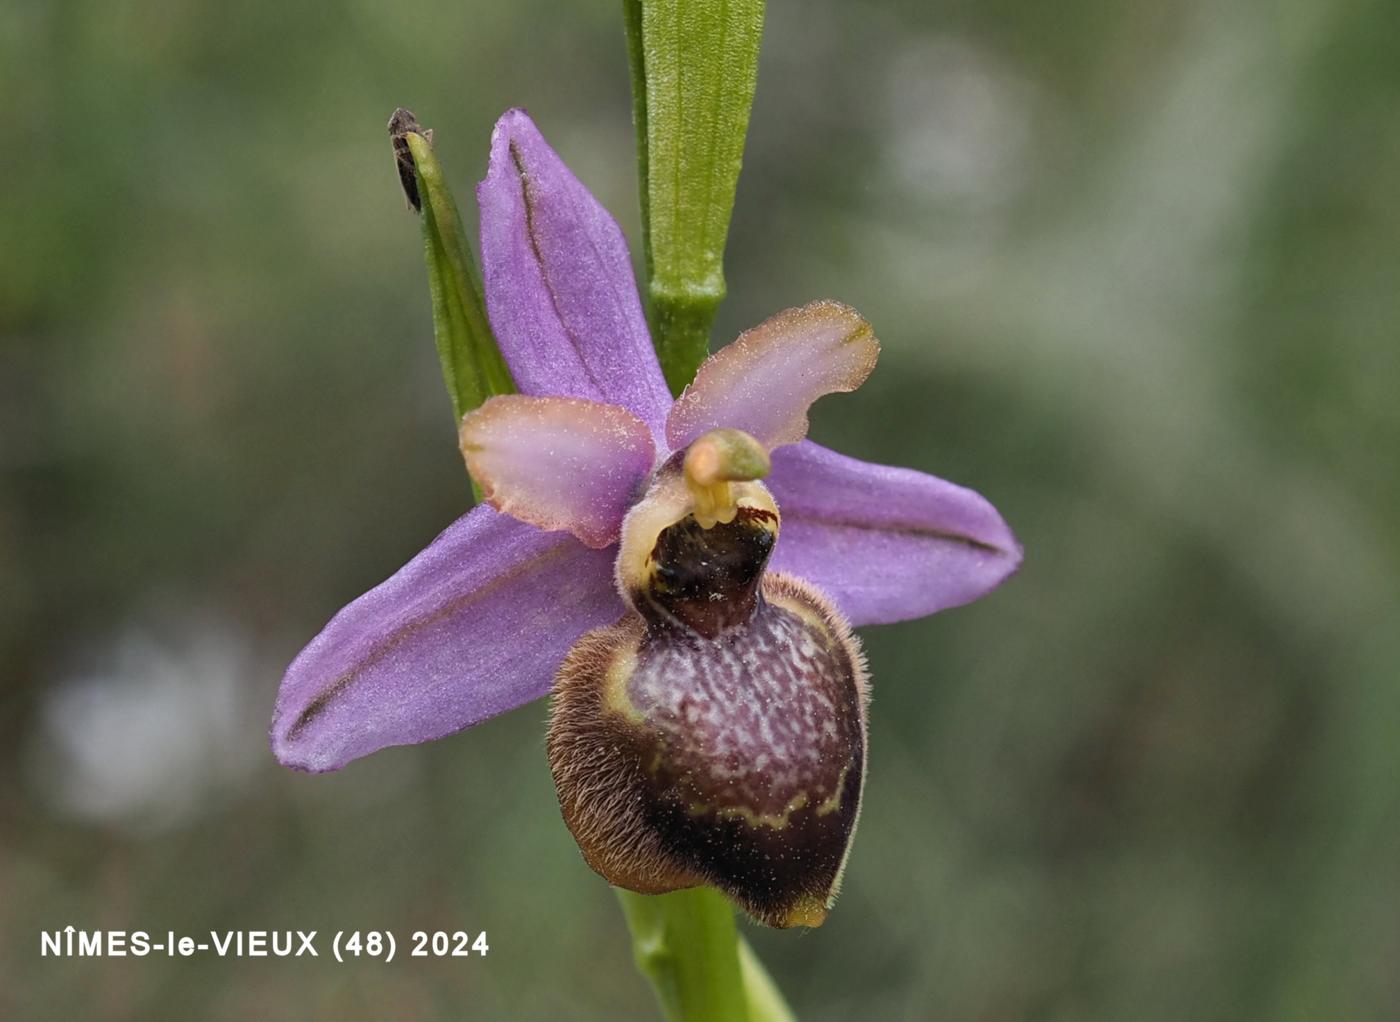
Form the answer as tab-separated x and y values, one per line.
735	760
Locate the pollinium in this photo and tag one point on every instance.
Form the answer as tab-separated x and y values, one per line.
716	733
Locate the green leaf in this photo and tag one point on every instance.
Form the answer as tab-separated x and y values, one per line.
694	68
472	366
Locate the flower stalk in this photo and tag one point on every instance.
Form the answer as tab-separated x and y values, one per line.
685	944
764	1000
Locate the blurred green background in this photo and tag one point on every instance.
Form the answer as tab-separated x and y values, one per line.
1136	268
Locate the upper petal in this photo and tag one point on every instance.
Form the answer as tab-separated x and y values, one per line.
766	380
887	544
559	462
560	291
473	626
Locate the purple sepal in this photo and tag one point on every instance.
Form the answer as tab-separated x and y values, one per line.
560	290
475	625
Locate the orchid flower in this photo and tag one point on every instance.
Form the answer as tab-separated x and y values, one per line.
684	575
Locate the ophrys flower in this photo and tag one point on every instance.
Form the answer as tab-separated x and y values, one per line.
710	717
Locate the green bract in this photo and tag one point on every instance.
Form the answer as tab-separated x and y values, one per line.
472	366
694	67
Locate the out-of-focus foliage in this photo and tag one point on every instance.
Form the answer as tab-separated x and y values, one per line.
1135	271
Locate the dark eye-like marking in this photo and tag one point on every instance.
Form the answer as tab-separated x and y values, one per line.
707	579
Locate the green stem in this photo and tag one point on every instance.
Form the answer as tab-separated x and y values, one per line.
765	1001
681	321
687	945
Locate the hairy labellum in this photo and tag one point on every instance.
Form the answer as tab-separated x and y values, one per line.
716	734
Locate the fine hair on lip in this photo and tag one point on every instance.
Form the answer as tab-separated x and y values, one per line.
735	760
